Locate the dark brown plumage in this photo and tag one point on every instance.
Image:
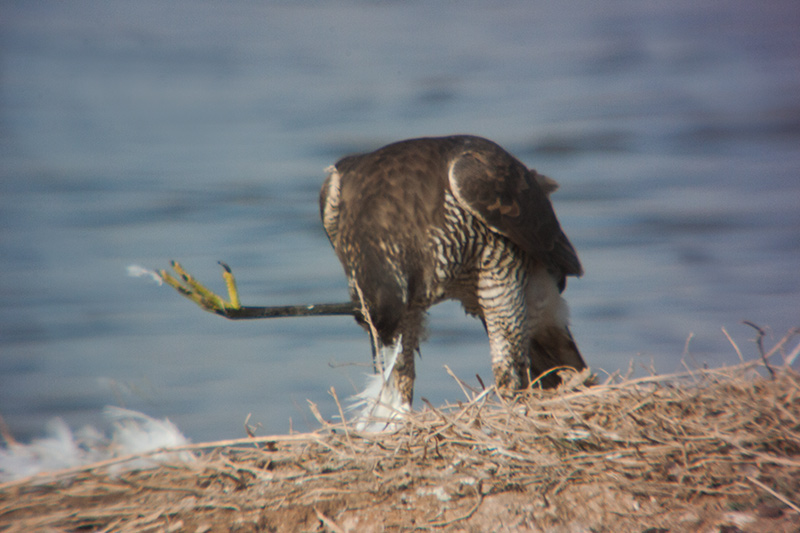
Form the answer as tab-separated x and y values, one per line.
424	220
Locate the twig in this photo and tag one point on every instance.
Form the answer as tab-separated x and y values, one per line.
315	411
250	430
344	420
460	382
786	338
148	486
686	353
760	344
735	347
330	524
546	373
793	355
779	496
563	481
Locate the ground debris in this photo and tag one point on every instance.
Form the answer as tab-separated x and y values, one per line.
706	450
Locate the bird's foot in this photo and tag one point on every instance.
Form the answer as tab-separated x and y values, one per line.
205	298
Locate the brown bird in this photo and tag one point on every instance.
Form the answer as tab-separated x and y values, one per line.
425	220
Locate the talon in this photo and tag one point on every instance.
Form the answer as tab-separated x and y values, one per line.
230	283
199	294
181	272
170	280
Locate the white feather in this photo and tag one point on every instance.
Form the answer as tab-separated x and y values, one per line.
136	271
133	433
380	402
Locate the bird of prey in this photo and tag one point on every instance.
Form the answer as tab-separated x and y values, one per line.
425	220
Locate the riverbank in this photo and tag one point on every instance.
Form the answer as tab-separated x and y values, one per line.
705	450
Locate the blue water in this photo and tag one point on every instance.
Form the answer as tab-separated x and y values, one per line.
139	132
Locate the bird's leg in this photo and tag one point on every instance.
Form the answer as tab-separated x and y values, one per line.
504	312
403	376
231	308
207	299
404	372
509	362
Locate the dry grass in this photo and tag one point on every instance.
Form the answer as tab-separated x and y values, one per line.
712	448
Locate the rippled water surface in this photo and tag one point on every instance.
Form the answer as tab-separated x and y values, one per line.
139	132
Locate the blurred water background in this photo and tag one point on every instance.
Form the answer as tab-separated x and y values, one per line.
139	132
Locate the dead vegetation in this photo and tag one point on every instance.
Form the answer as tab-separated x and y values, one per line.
705	450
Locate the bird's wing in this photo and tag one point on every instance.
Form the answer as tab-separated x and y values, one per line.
504	194
329	203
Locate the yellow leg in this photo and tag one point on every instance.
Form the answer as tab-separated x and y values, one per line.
207	299
232	308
